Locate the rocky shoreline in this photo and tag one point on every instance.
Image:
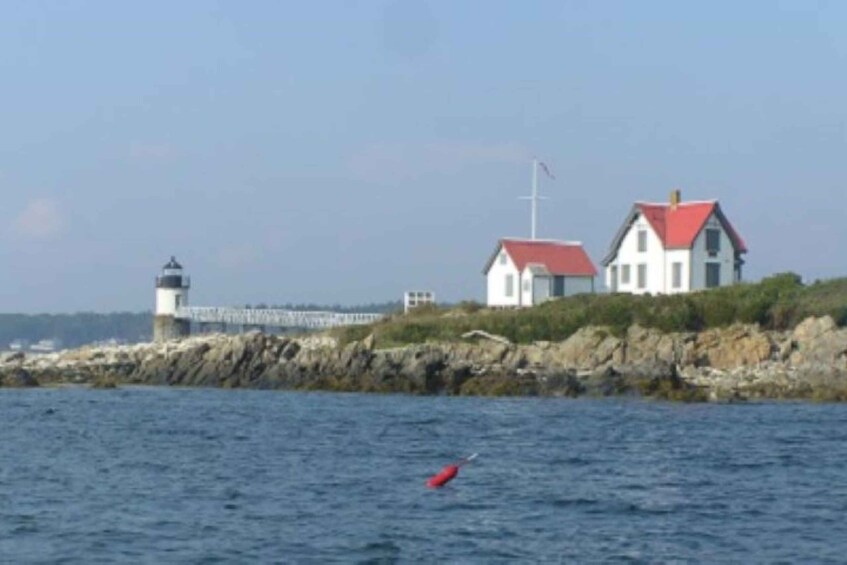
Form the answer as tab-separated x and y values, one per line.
739	362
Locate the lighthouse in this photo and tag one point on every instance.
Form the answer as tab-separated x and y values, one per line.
171	295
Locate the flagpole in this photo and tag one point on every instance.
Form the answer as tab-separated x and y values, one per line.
534	194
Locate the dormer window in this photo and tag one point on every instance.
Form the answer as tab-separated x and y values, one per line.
713	241
642	241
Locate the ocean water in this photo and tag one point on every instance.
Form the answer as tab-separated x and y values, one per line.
159	475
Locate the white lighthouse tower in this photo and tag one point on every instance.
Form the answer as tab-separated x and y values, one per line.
171	294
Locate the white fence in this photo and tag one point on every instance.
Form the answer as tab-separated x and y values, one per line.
271	317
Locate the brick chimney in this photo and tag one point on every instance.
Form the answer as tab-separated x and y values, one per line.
676	198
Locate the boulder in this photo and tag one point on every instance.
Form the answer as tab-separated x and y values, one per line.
18	378
735	346
812	328
14	357
645	345
104	382
587	349
819	341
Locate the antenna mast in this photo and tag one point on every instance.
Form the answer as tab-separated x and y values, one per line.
534	198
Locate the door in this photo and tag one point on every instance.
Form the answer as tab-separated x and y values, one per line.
558	285
540	289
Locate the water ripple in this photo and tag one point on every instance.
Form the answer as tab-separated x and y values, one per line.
209	476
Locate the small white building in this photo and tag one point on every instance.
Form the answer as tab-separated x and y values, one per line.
526	272
674	247
46	345
414	298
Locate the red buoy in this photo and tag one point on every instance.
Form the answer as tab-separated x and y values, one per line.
448	473
443	477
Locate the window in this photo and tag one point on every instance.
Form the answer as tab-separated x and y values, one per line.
642	276
176	301
713	241
510	285
642	240
676	275
713	275
502	258
526	285
624	274
613	277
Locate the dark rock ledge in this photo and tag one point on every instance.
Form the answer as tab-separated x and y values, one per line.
734	363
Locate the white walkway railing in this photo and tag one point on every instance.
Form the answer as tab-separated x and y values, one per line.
273	317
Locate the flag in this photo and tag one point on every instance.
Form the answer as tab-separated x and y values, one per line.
546	170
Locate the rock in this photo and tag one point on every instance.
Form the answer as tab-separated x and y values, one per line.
735	346
785	349
813	328
18	378
455	375
562	384
733	363
587	348
474	334
104	382
500	385
819	341
16	356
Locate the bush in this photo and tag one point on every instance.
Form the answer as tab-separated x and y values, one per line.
778	302
469	306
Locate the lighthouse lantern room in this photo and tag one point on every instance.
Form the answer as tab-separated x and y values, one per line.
171	294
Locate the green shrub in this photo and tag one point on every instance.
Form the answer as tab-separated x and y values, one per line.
777	302
839	315
469	306
717	311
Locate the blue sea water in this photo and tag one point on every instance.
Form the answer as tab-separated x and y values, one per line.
159	475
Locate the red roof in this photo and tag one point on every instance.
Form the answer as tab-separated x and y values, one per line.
679	226
558	257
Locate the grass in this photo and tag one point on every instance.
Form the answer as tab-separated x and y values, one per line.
778	302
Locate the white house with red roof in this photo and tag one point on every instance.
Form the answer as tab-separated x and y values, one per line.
674	247
525	272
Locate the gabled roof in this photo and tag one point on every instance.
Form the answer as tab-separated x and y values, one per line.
676	226
557	257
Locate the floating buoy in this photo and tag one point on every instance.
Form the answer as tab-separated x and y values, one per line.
448	473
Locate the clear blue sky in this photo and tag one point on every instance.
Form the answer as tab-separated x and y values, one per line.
347	151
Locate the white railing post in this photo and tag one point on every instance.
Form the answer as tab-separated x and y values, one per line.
274	317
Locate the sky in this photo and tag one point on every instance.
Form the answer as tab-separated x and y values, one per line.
342	152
